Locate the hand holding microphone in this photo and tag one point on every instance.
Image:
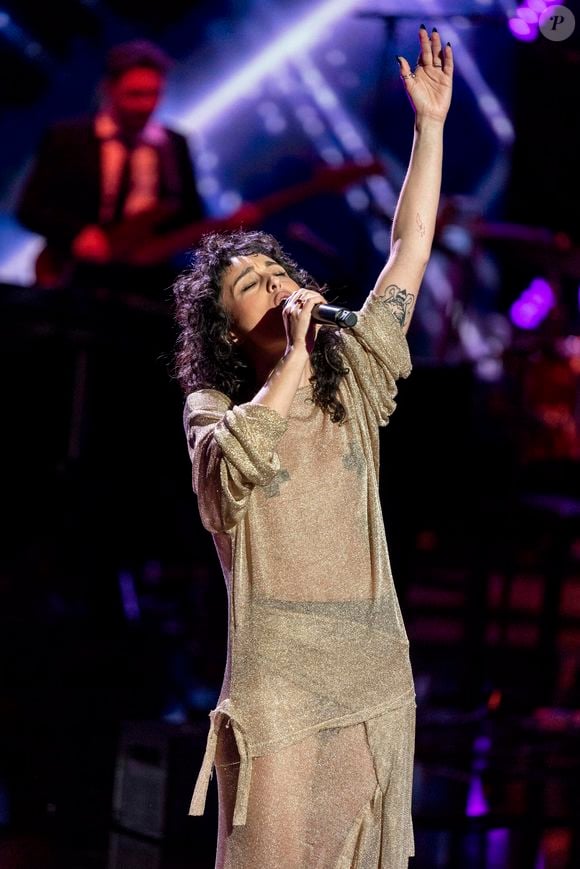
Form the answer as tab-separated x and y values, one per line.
304	306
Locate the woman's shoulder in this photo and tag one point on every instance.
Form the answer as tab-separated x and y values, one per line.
378	333
207	399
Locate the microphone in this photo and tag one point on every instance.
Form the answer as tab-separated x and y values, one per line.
336	316
331	314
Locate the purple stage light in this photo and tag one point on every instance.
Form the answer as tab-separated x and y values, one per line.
522	30
477	804
538	6
533	305
527	15
524	23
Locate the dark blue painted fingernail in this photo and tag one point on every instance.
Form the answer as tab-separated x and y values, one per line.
422	27
434	30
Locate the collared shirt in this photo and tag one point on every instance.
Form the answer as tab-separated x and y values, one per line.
144	167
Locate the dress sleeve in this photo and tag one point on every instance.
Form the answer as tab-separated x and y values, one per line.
232	449
377	353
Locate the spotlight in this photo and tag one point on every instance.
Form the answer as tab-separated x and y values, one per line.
532	307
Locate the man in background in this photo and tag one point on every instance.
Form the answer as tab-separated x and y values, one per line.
94	176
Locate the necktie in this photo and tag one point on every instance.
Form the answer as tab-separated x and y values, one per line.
123	188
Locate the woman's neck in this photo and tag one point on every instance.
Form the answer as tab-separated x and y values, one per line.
263	367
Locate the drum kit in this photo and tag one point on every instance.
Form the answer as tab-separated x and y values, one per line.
542	363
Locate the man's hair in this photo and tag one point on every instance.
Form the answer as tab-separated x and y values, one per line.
132	55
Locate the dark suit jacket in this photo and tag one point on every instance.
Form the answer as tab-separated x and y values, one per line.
62	193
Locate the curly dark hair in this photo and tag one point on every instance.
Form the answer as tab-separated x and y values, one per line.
204	358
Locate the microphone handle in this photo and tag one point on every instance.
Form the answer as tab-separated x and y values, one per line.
333	315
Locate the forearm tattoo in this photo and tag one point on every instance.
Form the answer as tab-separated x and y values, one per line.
399	301
420	225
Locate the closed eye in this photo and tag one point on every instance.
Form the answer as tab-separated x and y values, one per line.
253	284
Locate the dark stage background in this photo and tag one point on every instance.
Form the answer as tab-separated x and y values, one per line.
112	605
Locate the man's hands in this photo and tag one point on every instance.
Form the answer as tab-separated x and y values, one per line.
429	85
92	245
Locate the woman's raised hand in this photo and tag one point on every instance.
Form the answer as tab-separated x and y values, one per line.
429	85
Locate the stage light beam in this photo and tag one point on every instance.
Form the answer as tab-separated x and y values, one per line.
302	36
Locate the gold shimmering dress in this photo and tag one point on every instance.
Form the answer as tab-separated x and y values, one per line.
313	733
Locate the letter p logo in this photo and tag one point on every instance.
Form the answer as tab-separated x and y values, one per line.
557	23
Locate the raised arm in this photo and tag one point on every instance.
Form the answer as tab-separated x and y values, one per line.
429	89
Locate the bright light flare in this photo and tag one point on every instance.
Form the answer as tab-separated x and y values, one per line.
302	36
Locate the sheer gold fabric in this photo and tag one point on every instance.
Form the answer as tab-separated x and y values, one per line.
313	733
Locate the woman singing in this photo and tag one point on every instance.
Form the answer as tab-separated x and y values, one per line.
313	733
